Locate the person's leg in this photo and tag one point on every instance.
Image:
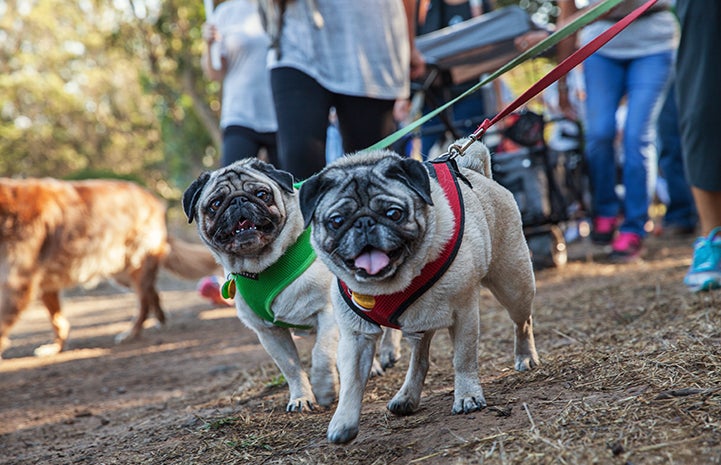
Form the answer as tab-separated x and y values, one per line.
238	143
268	140
363	121
680	212
698	68
647	79
302	107
604	79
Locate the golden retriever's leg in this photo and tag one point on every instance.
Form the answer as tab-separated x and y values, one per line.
143	281
61	326
408	398
12	303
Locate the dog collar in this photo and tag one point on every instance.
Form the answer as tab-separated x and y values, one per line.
259	290
384	310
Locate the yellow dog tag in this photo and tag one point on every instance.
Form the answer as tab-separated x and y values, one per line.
365	301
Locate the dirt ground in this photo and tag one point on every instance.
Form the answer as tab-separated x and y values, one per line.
630	374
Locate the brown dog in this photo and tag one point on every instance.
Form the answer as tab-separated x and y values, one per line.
59	234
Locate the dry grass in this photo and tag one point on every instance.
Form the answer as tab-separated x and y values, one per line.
631	373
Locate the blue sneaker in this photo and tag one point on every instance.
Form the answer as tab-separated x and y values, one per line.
705	271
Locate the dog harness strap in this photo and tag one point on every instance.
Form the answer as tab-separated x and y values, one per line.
259	293
384	310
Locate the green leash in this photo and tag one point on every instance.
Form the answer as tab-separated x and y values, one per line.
260	290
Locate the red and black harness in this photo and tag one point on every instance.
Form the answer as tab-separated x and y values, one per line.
384	310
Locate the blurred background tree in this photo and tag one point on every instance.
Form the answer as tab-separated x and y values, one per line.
92	88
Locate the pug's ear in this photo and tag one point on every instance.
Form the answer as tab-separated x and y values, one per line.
283	178
413	174
192	193
311	191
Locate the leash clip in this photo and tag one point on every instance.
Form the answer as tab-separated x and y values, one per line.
456	150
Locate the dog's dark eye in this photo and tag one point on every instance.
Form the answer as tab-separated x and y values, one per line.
214	206
394	214
264	195
335	221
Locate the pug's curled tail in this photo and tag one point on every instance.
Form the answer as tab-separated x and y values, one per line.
477	157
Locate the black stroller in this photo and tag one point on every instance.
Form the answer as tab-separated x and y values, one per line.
548	185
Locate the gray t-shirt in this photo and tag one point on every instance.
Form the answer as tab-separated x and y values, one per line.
247	98
360	50
650	34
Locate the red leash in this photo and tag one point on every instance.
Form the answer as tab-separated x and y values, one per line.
564	67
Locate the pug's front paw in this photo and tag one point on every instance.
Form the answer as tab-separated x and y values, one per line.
341	434
468	404
301	404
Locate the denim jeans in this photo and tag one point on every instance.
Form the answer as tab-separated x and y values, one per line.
681	210
643	81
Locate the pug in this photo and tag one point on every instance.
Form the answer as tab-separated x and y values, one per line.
248	215
411	244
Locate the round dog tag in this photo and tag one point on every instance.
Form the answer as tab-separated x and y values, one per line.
228	289
365	301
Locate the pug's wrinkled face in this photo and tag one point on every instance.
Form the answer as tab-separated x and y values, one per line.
368	217
240	209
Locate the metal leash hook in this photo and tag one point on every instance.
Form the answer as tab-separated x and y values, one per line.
456	150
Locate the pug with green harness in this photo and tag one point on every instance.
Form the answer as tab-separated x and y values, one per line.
248	215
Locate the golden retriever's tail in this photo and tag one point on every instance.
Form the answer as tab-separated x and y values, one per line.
477	157
190	261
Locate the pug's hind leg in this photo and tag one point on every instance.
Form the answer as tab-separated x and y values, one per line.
323	371
278	342
518	301
355	357
408	398
390	350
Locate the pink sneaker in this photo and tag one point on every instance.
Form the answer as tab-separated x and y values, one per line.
603	229
626	247
209	287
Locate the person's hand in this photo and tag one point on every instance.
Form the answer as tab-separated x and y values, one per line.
418	64
529	39
401	110
210	33
564	102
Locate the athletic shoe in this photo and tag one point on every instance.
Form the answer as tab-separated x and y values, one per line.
704	273
626	247
209	287
603	229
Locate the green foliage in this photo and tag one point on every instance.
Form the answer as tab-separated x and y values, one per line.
95	87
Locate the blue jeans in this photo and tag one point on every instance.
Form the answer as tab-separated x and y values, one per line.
681	210
643	81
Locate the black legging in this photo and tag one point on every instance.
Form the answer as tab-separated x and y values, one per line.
240	142
302	107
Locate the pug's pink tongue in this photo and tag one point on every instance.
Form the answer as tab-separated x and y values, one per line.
372	261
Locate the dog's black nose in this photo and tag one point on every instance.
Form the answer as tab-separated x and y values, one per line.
364	223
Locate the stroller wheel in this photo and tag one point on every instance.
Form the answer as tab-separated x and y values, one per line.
548	248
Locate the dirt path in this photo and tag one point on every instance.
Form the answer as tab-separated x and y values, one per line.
631	371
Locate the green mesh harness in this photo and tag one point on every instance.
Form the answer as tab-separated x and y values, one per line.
260	290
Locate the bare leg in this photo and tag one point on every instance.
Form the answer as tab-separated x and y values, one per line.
708	204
